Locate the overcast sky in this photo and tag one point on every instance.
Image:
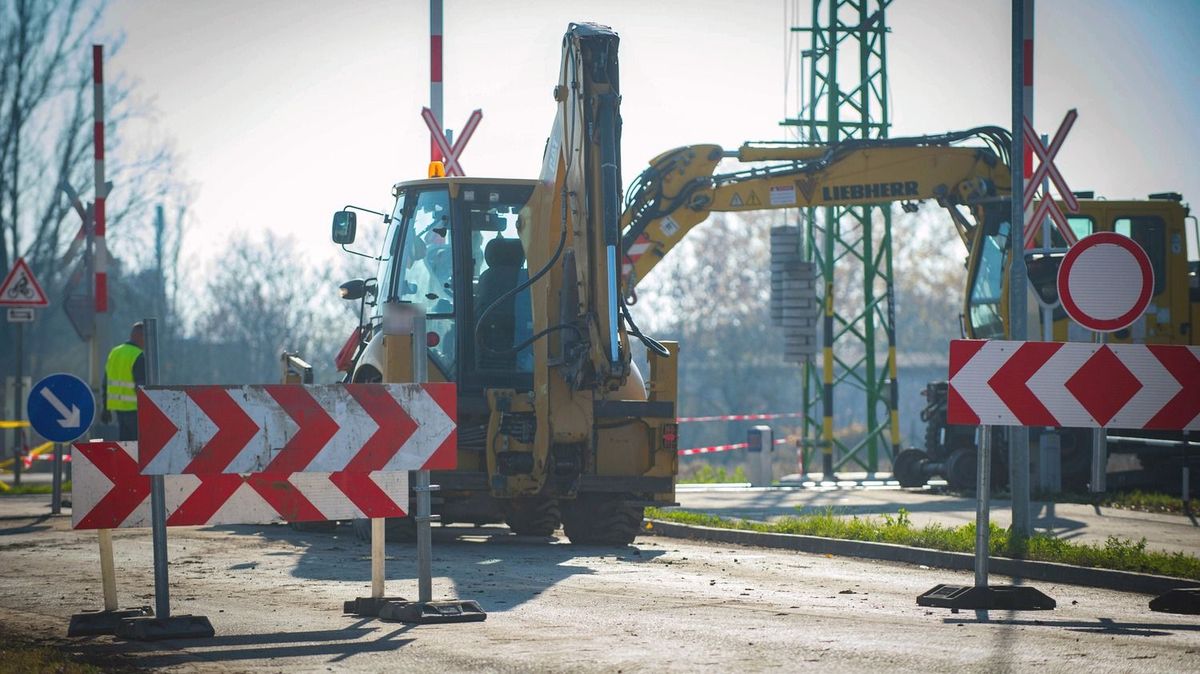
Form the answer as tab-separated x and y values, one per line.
283	111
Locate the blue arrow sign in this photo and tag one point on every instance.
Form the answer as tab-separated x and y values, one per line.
61	407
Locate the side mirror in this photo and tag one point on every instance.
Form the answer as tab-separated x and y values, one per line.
344	226
353	290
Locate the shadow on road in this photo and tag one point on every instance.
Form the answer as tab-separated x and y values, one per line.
344	644
488	564
31	525
1100	626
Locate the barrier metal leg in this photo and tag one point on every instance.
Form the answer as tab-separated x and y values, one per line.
92	623
981	595
163	625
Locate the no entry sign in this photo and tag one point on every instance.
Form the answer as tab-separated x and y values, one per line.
1105	282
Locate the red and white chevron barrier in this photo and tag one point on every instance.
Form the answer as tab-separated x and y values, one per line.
742	417
108	492
1136	386
361	428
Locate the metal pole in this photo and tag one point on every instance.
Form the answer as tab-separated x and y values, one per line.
158	502
423	488
1100	450
982	507
56	481
1022	85
19	404
1184	474
435	72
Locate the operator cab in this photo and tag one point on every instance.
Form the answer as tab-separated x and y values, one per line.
452	247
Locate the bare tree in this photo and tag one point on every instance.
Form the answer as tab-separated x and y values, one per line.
46	140
259	300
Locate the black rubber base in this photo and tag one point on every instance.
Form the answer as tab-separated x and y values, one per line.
1186	600
91	623
433	612
368	606
158	629
994	597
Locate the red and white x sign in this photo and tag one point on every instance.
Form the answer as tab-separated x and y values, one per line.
451	153
1046	168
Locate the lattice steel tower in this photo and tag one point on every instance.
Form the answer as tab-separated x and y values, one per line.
842	84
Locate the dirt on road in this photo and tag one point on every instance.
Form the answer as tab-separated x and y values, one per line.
274	596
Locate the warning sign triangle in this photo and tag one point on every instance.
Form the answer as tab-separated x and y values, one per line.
735	201
21	289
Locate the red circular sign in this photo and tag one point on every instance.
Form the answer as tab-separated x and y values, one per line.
1105	282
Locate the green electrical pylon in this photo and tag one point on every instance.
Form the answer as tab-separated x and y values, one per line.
855	376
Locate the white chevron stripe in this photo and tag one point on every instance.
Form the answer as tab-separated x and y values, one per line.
275	429
177	406
1049	384
395	485
355	427
971	382
1158	386
244	506
326	496
433	427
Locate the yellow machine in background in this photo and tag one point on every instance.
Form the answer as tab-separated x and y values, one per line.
519	282
968	174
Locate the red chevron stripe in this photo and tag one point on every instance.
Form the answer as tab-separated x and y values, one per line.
370	499
395	427
155	430
316	427
234	430
129	487
1011	383
962	351
446	455
278	491
958	412
1185	405
212	493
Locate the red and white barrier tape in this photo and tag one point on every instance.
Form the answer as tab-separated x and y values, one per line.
724	448
742	417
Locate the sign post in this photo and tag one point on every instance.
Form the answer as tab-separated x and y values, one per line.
1105	283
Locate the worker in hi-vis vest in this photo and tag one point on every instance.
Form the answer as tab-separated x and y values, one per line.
123	373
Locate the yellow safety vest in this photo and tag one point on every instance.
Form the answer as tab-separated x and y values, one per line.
122	391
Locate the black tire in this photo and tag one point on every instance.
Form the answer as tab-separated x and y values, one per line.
395	530
601	520
533	517
960	469
907	468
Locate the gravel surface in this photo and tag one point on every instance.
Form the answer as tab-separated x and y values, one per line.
274	596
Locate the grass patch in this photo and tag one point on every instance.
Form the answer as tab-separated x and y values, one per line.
1115	553
1145	501
706	474
20	654
34	489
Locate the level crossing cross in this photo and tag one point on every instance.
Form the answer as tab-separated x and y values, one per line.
1047	169
451	153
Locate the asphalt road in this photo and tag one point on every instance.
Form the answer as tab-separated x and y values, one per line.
274	596
1086	523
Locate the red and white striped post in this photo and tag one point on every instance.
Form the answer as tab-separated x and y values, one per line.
101	252
435	73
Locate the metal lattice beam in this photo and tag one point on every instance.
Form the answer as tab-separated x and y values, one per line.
855	379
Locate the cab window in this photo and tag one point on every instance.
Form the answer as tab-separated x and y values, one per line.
1150	233
987	286
424	270
1081	226
498	267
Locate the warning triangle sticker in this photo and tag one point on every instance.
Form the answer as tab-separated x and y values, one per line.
21	289
735	201
754	199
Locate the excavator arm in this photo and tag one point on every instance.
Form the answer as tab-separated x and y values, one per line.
681	188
